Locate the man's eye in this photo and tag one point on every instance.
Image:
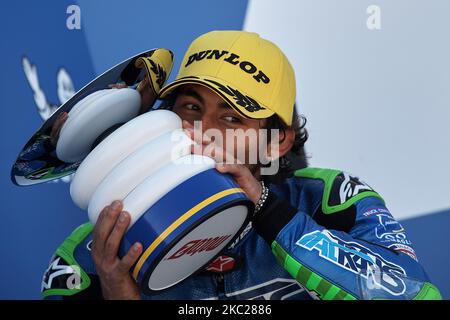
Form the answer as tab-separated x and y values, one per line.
191	106
232	119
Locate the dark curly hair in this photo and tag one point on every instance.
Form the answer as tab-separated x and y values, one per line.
293	160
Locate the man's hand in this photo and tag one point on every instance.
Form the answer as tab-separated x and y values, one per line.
147	95
114	274
244	178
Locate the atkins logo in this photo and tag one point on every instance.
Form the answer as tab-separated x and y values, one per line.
357	259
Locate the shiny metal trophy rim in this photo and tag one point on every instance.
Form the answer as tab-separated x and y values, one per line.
54	168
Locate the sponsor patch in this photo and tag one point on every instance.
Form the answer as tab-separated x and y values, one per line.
348	186
233	59
246	230
355	258
222	264
372	211
390	230
197	246
61	275
404	249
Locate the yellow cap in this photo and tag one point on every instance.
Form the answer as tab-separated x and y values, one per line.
250	73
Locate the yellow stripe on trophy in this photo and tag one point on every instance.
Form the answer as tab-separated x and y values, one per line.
177	223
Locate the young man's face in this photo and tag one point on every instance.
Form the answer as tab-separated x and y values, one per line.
241	137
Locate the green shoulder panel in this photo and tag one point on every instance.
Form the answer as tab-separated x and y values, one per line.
428	292
324	289
64	275
340	189
312	281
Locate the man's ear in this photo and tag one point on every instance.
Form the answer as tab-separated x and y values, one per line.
285	143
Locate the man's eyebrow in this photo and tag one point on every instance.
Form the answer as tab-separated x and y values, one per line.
224	105
192	93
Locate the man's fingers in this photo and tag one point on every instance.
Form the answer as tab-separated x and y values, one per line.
236	170
142	85
100	218
131	257
97	246
239	172
113	241
105	224
117	86
244	178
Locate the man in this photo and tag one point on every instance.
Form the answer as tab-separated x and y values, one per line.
317	233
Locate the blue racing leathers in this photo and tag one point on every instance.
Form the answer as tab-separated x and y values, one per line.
321	234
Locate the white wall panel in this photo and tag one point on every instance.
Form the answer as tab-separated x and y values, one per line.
377	101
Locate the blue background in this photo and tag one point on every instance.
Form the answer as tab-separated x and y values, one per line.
36	219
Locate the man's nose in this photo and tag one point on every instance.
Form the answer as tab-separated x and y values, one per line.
208	123
203	124
196	130
187	125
